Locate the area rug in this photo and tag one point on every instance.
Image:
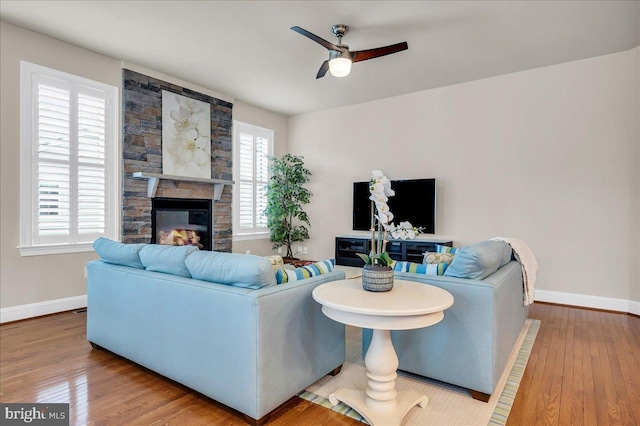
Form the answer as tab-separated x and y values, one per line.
448	404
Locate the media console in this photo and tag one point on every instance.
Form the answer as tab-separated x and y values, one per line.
403	250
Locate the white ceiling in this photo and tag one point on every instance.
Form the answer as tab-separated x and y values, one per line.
245	48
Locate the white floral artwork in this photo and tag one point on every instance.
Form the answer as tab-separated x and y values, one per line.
186	136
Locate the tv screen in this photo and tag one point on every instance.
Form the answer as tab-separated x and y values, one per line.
414	201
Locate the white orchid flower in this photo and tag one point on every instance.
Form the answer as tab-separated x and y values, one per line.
405	230
380	190
383	208
376	187
377	174
386	185
378	197
385	217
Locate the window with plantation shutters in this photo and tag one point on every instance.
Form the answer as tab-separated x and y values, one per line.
253	146
68	152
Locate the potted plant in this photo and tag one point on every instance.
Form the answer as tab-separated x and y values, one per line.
286	196
377	274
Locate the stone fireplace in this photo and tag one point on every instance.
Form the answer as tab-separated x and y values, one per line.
142	154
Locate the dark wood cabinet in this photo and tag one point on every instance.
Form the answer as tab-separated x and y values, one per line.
407	250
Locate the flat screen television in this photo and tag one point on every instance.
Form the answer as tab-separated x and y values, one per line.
414	201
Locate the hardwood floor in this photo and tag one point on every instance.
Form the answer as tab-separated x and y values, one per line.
584	369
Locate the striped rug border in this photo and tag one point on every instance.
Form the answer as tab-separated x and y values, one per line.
505	401
340	408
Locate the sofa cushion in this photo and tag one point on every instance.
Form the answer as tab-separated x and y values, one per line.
421	268
239	270
445	249
118	253
432	257
318	268
478	261
167	259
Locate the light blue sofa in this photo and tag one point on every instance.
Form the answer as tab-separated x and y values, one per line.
471	345
251	349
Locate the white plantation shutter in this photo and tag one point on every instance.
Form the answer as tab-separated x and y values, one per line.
52	137
261	179
246	194
253	147
91	165
68	142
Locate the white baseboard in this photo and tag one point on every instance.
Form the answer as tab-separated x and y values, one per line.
586	301
31	310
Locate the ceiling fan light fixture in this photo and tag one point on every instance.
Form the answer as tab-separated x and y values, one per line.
340	67
340	58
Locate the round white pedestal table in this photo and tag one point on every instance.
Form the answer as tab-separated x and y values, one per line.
408	305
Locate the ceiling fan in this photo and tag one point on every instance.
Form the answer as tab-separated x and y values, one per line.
340	58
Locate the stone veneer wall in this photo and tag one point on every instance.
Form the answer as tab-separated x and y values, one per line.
142	152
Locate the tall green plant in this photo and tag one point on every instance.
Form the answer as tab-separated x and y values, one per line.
285	199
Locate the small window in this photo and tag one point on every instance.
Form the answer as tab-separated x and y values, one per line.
68	148
253	146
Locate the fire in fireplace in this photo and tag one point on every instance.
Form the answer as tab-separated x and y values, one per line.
181	222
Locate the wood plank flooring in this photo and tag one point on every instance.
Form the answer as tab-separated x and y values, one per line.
584	369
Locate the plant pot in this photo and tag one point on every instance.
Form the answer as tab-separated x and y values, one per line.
377	278
296	262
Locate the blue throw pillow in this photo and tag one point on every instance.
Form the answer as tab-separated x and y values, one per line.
239	270
478	261
118	253
318	268
421	268
167	259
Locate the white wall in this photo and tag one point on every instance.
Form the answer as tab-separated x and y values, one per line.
28	280
280	125
550	156
41	284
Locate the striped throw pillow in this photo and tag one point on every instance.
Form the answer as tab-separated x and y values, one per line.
421	268
445	249
286	275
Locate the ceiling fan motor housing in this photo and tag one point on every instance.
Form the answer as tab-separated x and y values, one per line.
339	30
333	54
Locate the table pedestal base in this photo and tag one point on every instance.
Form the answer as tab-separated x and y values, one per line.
406	400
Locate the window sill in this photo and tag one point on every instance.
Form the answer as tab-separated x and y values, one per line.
247	237
55	249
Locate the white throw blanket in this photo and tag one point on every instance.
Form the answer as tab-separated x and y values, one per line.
528	263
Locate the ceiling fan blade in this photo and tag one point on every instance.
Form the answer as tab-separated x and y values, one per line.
363	55
323	69
317	39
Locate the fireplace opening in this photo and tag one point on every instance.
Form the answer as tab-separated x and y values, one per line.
182	222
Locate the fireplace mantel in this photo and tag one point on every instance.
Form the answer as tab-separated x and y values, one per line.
154	179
